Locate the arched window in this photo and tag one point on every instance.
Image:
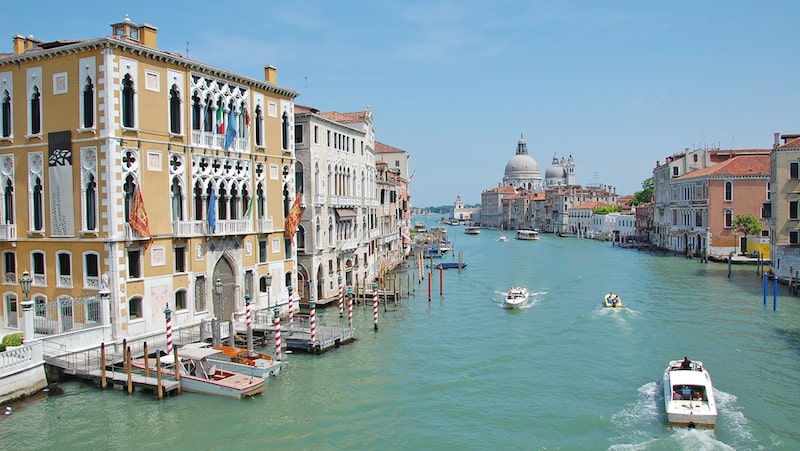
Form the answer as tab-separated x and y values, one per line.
135	308
197	112
128	92
36	111
208	117
177	200
285	131
174	110
198	201
38	206
260	201
90	198
88	104
129	189
259	123
180	300
728	191
8	203
5	112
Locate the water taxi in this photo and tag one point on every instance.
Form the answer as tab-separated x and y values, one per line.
689	395
472	230
527	235
516	297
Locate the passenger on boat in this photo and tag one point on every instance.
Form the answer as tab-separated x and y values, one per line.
686	364
676	395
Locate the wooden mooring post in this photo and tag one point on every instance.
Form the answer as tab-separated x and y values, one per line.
128	369
103	366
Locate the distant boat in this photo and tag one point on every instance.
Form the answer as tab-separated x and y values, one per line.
502	238
516	297
527	235
419	227
472	230
612	300
451	265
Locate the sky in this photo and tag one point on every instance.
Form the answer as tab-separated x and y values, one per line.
619	85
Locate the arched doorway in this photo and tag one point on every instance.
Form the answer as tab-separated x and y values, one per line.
225	304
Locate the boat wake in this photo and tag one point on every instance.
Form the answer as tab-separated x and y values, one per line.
635	423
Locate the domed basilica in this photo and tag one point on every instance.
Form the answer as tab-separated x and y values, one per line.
522	171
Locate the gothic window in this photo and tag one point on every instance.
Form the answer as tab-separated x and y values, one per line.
8	202
259	129
198	201
128	92
175	110
285	131
36	111
234	203
38	204
244	120
90	199
260	201
5	114
197	111
129	189
88	104
222	210
177	200
208	116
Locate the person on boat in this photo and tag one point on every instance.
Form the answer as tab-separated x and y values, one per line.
686	364
676	395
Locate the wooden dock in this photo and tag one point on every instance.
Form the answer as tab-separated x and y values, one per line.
296	338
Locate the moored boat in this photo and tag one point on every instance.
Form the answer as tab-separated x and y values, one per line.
689	395
199	374
451	265
516	297
240	360
527	235
612	300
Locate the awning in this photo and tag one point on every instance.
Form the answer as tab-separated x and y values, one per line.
346	214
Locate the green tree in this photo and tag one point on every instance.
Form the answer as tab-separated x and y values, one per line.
643	196
746	225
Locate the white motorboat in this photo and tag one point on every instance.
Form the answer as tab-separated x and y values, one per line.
689	395
516	297
502	238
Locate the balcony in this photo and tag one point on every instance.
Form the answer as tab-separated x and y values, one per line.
8	232
347	245
183	229
265	225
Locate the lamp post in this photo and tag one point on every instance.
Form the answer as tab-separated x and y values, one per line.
218	289
269	288
27	306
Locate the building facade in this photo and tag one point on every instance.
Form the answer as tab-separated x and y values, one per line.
783	206
141	176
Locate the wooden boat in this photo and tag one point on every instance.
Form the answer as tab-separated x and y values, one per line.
199	374
471	230
516	297
527	235
451	265
240	360
612	300
689	395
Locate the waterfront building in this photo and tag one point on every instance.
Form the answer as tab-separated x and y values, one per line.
782	207
396	161
644	222
338	233
492	206
464	214
666	196
581	218
559	200
164	177
393	234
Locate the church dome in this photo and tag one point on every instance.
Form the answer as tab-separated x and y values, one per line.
522	167
555	171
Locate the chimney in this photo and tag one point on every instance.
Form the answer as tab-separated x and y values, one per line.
148	35
271	74
776	140
19	44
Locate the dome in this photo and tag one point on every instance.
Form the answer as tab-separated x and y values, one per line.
555	172
522	166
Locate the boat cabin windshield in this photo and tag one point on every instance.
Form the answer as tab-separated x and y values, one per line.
689	392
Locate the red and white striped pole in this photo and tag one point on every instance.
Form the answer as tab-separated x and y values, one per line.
278	333
341	298
168	315
291	308
312	316
375	304
350	307
249	322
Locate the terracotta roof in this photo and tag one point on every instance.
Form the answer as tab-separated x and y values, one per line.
345	118
793	143
741	165
588	205
385	148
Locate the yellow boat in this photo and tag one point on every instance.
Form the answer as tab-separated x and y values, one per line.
612	300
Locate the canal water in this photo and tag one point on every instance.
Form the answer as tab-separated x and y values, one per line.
460	372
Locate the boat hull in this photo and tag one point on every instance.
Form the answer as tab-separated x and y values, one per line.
516	298
689	396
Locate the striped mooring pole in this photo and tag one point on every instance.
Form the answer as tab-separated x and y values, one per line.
291	307
168	315
278	333
350	307
375	304
341	298
249	322
312	317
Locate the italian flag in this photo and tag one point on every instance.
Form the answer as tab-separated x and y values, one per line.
220	123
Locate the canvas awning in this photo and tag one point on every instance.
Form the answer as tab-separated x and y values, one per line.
346	214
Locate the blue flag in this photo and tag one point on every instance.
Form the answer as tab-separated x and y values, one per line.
230	133
212	202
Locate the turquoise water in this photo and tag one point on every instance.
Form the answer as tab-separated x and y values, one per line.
459	372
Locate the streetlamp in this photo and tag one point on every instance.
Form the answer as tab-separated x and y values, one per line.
25	283
27	307
269	287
